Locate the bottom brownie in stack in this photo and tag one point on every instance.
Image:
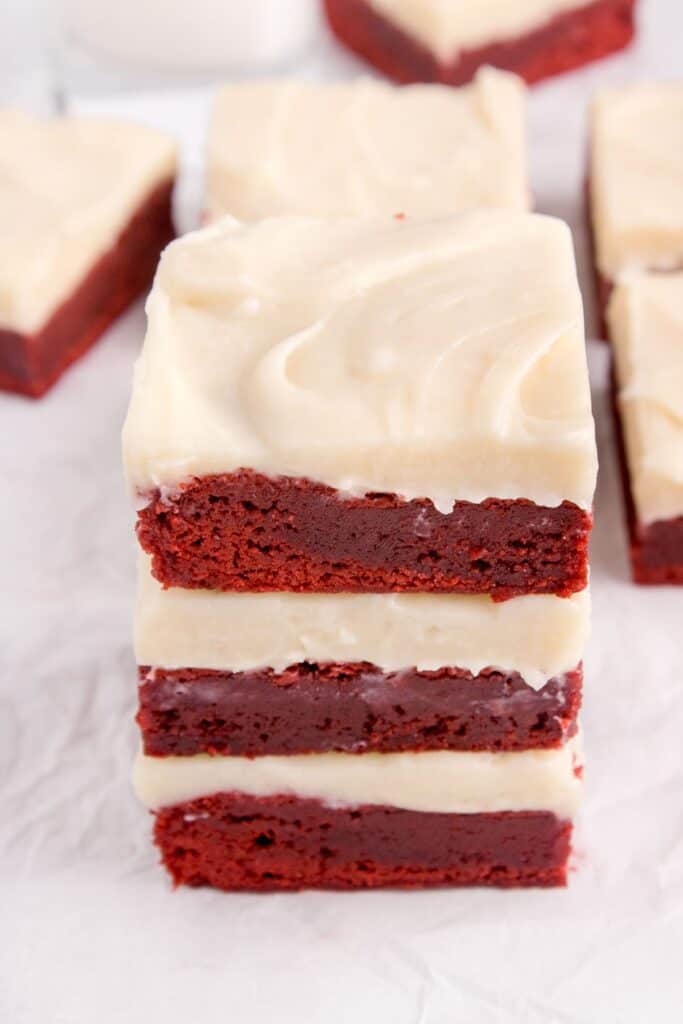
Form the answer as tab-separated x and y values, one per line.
350	740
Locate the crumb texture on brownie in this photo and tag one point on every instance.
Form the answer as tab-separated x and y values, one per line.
366	147
244	531
445	27
232	841
68	187
352	708
440	781
417	358
645	317
636	177
537	636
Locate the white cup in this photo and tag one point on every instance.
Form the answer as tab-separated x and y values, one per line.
193	36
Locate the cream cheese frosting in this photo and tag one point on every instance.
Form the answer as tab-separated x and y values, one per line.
440	358
447	27
447	782
367	147
539	636
68	187
645	317
637	177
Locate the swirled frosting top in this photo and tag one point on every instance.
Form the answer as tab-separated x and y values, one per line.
68	186
637	177
367	147
446	27
646	327
429	358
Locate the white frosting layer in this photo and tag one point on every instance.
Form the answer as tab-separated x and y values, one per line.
68	187
367	147
439	358
637	177
448	782
538	636
446	27
646	328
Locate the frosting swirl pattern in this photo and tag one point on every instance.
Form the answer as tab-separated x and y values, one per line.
434	358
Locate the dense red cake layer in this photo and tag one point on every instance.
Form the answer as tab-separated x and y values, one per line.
244	531
232	841
567	41
30	364
656	549
351	708
657	552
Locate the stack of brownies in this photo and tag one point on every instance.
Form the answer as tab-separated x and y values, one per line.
365	457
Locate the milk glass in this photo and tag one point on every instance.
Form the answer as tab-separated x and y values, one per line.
137	43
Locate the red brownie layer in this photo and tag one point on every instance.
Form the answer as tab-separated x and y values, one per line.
567	41
30	364
352	708
245	531
656	549
233	841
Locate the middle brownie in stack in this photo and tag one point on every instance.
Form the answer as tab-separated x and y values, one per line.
365	455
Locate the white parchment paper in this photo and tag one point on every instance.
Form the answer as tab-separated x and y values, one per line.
90	931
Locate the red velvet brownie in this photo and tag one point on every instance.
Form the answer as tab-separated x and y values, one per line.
328	414
232	841
645	320
376	405
302	673
635	185
434	818
447	40
365	146
88	211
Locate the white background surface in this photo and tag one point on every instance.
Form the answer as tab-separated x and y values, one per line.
91	932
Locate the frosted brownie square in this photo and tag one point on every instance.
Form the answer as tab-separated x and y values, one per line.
366	405
85	210
636	180
366	147
358	821
645	317
285	673
447	40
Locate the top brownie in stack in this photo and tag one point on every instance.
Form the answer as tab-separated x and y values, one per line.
378	405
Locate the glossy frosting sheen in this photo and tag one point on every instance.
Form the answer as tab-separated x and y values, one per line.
441	358
68	187
538	636
446	27
367	147
646	327
449	782
637	177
